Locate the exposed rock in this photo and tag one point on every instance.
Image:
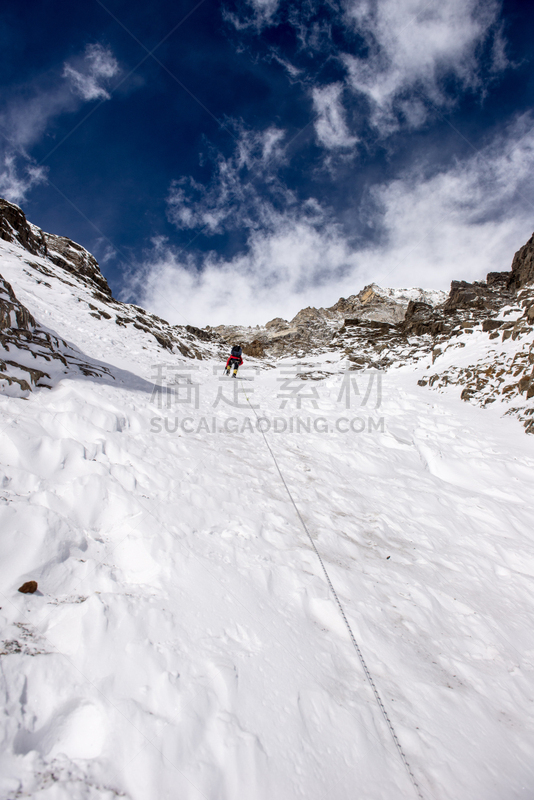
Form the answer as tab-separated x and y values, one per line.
29	354
254	349
12	313
14	227
369	323
478	295
59	259
503	374
72	257
199	332
491	324
306	315
420	319
277	324
501	279
523	266
314	328
29	587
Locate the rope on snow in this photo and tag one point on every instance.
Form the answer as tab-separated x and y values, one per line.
345	620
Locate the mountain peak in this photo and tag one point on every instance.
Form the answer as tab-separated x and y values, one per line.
63	252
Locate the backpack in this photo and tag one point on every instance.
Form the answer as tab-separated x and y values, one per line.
236	351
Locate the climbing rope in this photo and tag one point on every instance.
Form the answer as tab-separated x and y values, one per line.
345	620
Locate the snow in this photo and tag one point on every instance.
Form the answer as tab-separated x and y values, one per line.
433	297
183	642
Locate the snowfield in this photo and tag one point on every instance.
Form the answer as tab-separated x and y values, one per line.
184	643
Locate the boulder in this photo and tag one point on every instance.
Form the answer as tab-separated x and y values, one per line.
491	325
29	587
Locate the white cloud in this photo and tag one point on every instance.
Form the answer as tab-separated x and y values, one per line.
262	14
413	46
14	184
25	118
233	199
293	71
263	283
93	73
458	223
414	55
330	125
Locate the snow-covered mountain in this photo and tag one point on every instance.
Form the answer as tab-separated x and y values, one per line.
314	327
184	640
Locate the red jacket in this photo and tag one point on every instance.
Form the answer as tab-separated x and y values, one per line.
234	358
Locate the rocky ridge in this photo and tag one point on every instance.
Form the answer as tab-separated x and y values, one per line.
478	339
384	329
32	355
505	369
314	328
64	253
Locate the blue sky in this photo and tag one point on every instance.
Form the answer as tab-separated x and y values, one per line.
236	161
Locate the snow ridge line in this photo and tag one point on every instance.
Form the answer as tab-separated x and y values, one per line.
351	634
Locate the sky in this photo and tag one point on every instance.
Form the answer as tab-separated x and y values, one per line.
231	162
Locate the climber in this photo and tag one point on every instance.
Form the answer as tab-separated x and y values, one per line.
235	360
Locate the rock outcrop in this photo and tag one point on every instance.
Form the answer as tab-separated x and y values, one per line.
523	266
313	328
31	356
56	258
505	369
72	257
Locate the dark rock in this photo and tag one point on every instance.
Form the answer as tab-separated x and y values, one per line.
523	266
491	324
29	587
369	323
524	383
277	324
422	318
163	341
382	326
14	227
254	349
418	311
12	310
464	295
199	332
498	279
72	257
78	261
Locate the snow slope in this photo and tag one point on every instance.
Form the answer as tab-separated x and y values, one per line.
184	643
